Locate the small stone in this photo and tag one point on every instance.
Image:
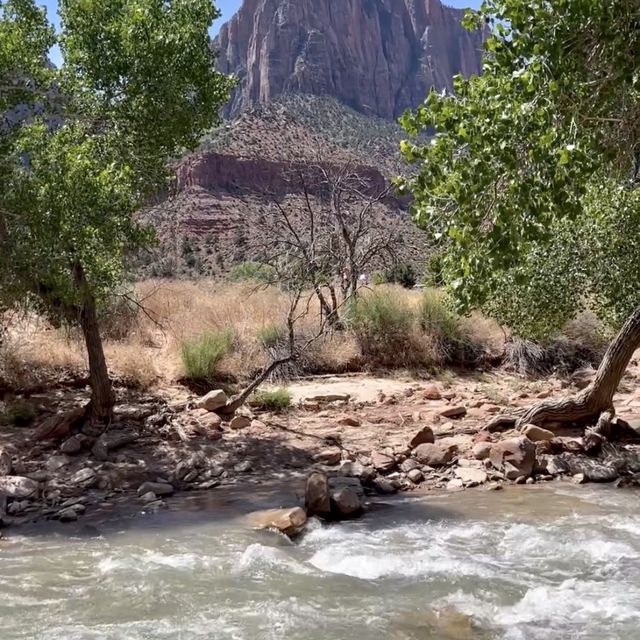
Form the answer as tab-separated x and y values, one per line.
415	475
494	486
521	480
351	468
329	457
209	484
431	392
191	476
409	465
579	478
243	467
57	462
84	478
454	412
455	485
258	424
159	488
384	487
515	453
213	401
481	451
531	480
240	422
148	497
537	434
349	421
67	515
73	445
5	463
382	462
424	436
511	472
471	477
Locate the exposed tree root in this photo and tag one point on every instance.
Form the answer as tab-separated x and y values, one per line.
581	409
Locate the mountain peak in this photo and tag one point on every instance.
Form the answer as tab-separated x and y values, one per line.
379	57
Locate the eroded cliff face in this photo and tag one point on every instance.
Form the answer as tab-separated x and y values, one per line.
377	56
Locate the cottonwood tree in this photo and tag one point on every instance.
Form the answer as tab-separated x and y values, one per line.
334	226
531	179
84	146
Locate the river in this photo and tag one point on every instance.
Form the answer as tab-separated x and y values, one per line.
526	563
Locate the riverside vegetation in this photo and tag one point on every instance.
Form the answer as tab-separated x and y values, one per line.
207	380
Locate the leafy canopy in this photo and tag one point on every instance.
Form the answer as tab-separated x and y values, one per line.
83	147
529	181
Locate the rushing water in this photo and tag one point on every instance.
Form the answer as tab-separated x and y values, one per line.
518	564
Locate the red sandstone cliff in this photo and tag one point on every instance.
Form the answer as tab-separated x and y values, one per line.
377	56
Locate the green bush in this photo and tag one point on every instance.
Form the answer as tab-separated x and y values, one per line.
402	274
272	335
452	342
19	414
383	326
271	400
202	355
253	271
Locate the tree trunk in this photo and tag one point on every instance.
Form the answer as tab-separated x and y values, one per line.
102	398
596	399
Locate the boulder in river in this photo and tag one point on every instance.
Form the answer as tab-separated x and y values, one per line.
291	522
159	488
317	499
346	502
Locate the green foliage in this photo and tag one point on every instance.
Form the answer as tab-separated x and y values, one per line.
136	88
383	325
253	271
201	356
271	399
402	274
272	335
20	414
526	185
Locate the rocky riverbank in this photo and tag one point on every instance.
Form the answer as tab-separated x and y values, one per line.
359	440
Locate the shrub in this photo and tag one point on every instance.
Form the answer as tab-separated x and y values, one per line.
253	271
19	414
402	274
383	325
271	400
452	342
118	317
201	356
272	335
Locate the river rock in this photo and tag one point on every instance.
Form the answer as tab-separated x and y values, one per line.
58	426
349	421
331	456
382	462
84	478
454	412
317	498
431	392
455	485
424	436
6	463
409	465
54	463
291	522
384	486
592	470
240	422
537	434
434	455
73	445
159	488
482	450
415	475
148	497
351	468
213	401
346	502
518	452
471	477
18	487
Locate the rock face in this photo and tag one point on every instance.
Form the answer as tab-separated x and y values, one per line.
377	56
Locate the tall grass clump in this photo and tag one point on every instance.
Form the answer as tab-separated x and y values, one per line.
451	338
383	324
271	399
201	356
272	335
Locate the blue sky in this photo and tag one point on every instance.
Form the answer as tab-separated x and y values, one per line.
228	8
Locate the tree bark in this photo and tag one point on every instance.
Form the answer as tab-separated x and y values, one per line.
102	397
597	398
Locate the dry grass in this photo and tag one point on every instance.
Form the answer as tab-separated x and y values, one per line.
147	351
